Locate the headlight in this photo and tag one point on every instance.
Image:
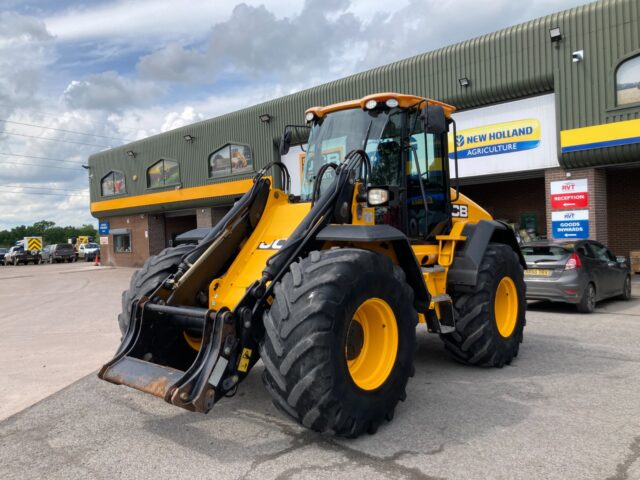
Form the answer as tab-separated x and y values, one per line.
377	196
371	104
392	103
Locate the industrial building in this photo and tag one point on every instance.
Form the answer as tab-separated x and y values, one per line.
548	137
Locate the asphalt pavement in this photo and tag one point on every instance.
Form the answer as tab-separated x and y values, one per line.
567	408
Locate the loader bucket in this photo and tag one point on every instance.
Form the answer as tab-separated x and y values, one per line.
154	359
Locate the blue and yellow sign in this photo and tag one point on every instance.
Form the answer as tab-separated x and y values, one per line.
600	136
496	139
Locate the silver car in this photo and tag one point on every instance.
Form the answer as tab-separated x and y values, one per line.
581	273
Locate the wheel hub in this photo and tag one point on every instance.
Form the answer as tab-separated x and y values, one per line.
371	344
355	339
506	307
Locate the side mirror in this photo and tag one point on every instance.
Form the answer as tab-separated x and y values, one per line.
433	119
285	142
621	260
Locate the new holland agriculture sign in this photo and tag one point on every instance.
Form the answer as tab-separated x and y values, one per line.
508	137
497	139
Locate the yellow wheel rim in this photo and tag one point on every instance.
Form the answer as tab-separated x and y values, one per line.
506	307
372	344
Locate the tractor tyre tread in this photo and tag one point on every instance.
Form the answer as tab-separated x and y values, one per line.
476	340
305	371
148	278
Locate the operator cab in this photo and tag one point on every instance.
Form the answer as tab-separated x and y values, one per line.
407	156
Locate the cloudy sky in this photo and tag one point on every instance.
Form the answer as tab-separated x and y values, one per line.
77	77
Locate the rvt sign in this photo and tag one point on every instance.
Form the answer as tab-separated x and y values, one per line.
570	224
570	194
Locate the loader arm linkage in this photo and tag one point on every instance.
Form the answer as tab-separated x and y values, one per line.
228	338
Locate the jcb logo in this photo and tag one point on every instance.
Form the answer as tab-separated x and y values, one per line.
461	211
275	245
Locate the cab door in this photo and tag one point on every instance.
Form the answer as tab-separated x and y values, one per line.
426	172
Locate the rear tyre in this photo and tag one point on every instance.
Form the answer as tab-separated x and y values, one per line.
490	319
144	281
340	340
626	289
588	301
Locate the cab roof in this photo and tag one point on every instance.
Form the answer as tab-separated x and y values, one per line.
404	101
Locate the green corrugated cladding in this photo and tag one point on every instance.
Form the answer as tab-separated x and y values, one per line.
516	62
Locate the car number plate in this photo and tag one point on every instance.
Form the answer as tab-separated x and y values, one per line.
541	272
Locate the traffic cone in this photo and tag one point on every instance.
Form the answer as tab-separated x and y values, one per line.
97	262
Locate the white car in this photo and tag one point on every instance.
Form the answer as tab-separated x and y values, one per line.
88	251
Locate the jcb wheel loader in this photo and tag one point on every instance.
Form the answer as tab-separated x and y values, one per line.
327	287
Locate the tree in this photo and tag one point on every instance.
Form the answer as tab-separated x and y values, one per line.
47	230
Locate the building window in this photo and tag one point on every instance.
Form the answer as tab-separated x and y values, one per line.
230	160
122	243
628	81
163	173
112	184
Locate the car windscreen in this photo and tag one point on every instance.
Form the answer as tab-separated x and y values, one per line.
3	250
545	253
91	245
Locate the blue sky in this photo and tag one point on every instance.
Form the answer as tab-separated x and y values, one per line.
75	72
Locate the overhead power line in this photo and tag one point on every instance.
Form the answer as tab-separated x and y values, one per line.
51	114
64	130
41	158
4	162
41	193
38	188
54	139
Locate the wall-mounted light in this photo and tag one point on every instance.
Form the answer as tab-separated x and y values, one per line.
464	82
131	153
577	56
189	138
265	118
555	34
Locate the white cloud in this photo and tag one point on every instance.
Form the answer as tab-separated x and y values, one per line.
175	120
25	49
111	92
144	21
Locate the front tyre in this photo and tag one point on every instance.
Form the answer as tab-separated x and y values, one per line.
146	280
340	339
490	318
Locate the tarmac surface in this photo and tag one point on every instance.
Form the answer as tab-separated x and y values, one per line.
57	325
568	407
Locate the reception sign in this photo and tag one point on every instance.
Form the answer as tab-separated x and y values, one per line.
570	194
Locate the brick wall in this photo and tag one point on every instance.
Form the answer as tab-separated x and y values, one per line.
623	194
209	216
509	200
156	234
597	184
138	225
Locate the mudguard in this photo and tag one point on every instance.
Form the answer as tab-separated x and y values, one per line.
464	270
402	248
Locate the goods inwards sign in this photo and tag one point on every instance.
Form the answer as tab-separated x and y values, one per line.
570	194
572	224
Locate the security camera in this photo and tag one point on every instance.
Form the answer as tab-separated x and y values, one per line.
577	56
